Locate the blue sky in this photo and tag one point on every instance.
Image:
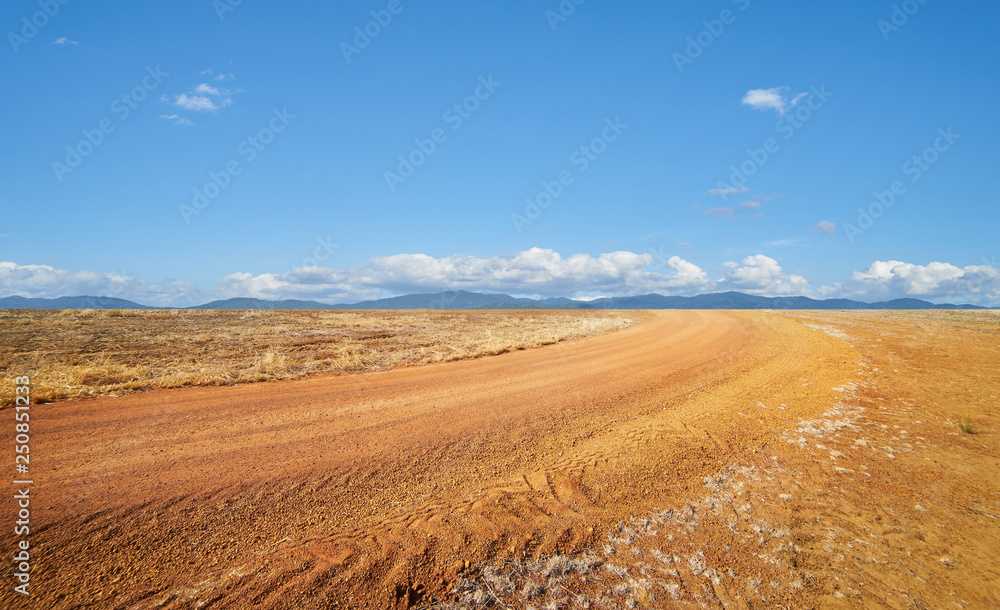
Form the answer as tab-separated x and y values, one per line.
173	153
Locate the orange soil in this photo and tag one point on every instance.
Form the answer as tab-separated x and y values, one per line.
382	490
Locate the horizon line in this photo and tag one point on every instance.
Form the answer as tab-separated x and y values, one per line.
514	301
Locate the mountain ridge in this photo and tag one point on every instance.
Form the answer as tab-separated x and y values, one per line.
462	299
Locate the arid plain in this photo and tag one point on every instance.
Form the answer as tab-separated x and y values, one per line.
735	459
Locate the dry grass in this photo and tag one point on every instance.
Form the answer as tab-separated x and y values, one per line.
77	353
525	584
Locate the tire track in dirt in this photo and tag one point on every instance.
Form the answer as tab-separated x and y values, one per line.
380	490
876	502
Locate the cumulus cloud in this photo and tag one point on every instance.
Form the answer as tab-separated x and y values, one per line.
537	271
830	291
917	279
43	281
760	274
750	205
534	272
895	279
825	227
309	283
200	103
204	97
763	99
207	89
688	275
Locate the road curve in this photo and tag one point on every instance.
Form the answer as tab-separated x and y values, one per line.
378	490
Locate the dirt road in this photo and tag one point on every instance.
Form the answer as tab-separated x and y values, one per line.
381	490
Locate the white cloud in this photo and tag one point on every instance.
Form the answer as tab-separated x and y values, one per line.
762	99
728	212
688	275
829	291
936	282
177	119
894	279
825	227
207	89
732	190
204	97
195	102
43	281
307	283
759	274
64	40
200	103
534	272
750	205
917	279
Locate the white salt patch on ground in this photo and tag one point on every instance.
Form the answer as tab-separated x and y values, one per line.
833	331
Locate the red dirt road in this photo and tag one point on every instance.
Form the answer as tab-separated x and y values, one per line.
379	490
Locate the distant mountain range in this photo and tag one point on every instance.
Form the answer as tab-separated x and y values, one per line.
69	303
473	300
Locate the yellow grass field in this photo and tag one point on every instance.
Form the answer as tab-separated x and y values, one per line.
78	353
